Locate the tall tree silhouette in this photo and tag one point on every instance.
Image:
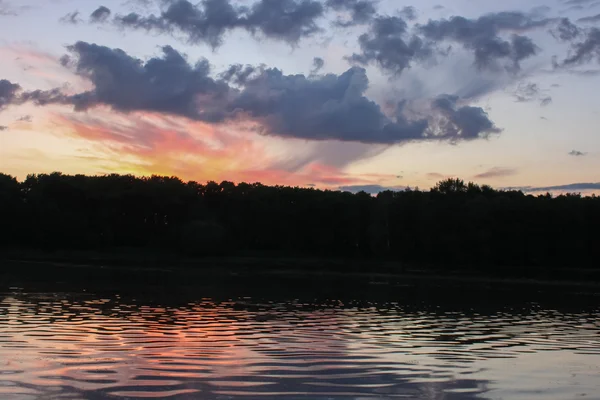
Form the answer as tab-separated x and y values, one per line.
455	224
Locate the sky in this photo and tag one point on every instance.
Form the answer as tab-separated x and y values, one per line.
337	94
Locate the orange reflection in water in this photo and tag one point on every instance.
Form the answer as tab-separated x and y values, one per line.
88	347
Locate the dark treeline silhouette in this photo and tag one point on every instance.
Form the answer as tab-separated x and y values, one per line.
452	225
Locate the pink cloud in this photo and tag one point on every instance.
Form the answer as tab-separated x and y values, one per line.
147	143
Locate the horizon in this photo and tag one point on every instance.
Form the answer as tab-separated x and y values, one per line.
571	189
331	94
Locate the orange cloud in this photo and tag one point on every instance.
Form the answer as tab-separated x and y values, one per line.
147	143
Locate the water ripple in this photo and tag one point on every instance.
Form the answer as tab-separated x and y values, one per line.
70	346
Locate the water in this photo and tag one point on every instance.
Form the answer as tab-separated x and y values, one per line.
156	343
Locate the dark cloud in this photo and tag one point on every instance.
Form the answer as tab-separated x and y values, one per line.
584	51
576	153
166	84
12	94
46	97
238	74
318	64
361	11
388	44
25	118
371	189
482	36
565	30
545	101
3	128
8	93
101	14
464	122
592	19
324	107
287	20
409	13
314	107
206	22
210	20
73	18
496	172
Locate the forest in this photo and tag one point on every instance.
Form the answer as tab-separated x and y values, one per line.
454	224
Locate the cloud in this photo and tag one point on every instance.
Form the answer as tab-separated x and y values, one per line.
150	143
576	153
8	9
409	13
287	20
496	172
101	14
203	23
590	19
8	93
388	45
319	108
565	30
571	187
207	22
334	153
361	11
584	51
167	84
527	92
578	2
318	64
482	36
238	74
314	107
45	97
25	118
540	11
323	108
464	122
370	189
73	18
3	128
435	175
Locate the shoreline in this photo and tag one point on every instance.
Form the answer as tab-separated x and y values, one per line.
246	267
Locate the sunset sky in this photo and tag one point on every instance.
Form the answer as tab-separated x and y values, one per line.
339	94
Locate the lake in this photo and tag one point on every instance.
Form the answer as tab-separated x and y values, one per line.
295	337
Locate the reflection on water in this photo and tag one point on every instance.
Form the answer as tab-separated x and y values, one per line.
84	346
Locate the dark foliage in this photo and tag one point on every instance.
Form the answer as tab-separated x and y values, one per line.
453	224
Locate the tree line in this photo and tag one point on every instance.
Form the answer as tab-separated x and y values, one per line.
453	224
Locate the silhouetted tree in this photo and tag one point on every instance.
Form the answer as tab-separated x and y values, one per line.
456	224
